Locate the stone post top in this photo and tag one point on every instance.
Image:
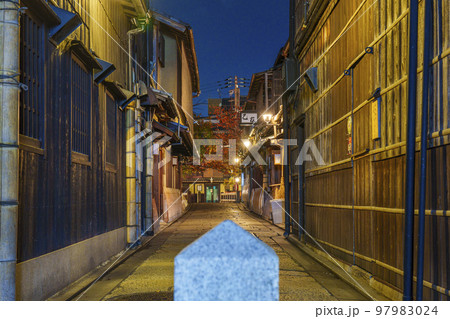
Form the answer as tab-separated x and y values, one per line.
227	263
228	240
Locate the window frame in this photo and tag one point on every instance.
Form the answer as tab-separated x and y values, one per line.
29	143
77	157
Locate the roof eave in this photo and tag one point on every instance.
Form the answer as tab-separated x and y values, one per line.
194	66
185	29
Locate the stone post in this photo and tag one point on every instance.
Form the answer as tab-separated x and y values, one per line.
227	263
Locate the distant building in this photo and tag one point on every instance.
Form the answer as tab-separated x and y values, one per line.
212	186
264	98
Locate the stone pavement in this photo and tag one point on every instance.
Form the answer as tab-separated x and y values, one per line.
148	275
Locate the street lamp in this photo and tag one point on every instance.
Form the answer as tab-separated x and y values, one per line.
236	160
247	143
237	180
267	118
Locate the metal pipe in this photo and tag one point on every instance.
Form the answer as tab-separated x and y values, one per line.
149	39
287	215
130	58
138	167
353	163
154	72
131	175
250	186
266	90
148	179
287	199
130	63
427	45
301	181
408	257
9	147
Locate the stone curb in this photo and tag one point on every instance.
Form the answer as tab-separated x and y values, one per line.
363	288
331	266
67	294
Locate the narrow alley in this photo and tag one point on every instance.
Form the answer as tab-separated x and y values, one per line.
225	151
148	274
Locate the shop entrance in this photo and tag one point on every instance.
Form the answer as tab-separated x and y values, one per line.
212	193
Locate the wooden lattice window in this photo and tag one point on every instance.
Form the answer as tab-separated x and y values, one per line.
32	74
111	130
81	108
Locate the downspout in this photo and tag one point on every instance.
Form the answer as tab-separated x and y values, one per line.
148	178
130	121
131	175
427	45
287	199
139	166
9	147
266	90
266	102
287	217
301	178
352	70
148	147
408	257
250	186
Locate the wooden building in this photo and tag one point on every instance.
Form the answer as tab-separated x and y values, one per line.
175	72
263	182
211	186
72	159
74	209
356	115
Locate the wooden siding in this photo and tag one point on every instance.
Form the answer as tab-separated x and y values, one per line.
62	200
360	215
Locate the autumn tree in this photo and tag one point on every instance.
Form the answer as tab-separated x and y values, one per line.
227	128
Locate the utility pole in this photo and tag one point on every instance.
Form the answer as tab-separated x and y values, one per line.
266	91
237	95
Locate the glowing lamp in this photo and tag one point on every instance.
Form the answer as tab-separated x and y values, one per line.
267	118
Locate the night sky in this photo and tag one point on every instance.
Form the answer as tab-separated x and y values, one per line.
232	37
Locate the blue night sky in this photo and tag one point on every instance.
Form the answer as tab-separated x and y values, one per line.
232	37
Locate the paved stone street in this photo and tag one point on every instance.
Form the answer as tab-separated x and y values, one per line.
148	274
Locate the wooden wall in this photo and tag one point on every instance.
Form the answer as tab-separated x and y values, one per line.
63	202
359	218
